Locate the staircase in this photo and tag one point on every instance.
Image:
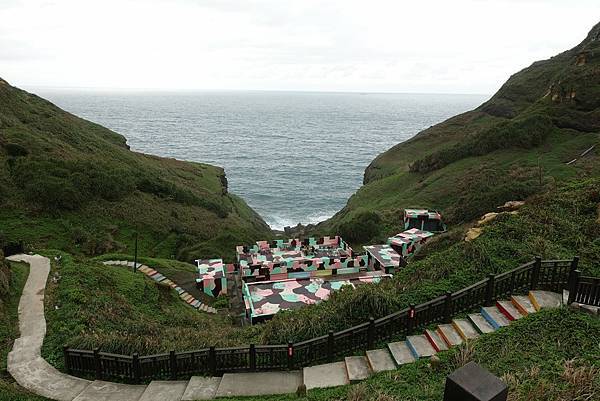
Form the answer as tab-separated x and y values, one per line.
159	278
445	336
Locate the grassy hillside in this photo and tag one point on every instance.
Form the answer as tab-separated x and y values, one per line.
553	355
67	183
513	146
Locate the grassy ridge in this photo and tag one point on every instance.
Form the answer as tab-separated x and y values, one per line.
67	183
513	146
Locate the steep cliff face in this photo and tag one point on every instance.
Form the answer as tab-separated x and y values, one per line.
512	146
71	184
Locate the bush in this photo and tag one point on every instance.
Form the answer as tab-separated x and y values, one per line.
361	228
15	150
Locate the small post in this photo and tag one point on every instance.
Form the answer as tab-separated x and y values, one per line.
371	333
330	345
535	277
66	358
173	364
489	290
252	357
573	287
411	319
137	373
97	364
574	264
212	361
290	355
448	307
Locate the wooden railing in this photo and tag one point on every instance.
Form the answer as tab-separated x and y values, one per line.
553	275
584	290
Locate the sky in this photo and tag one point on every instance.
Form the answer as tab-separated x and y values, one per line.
457	46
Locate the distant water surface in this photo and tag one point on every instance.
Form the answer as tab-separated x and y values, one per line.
295	157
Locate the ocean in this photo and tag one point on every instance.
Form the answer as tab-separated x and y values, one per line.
295	157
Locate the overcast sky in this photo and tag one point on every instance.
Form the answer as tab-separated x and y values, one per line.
454	46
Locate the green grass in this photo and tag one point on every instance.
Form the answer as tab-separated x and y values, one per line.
119	311
9	331
553	355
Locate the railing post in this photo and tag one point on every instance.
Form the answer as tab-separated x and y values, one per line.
66	358
489	290
448	307
535	276
97	364
411	319
212	361
330	345
574	264
173	364
371	333
137	374
573	287
290	355
252	357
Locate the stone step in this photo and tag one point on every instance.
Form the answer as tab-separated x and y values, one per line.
523	304
494	317
357	368
380	360
480	323
164	391
401	352
108	391
201	388
545	299
259	383
326	375
436	341
509	310
420	346
465	329
449	334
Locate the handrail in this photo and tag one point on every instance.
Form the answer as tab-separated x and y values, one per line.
362	336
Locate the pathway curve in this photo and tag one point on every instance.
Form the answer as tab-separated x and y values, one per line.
32	372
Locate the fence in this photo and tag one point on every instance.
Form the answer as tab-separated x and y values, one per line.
584	290
552	275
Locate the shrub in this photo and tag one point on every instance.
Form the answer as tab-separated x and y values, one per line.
361	228
15	150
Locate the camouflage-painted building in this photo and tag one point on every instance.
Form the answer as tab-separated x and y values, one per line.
424	220
212	279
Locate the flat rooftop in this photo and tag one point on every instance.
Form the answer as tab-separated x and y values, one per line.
266	298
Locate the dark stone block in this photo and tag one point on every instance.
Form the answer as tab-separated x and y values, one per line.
474	383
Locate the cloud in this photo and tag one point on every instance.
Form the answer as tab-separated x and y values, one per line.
460	46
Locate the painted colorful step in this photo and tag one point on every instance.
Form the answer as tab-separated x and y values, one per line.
545	299
401	352
494	317
380	360
523	304
509	310
357	367
436	341
449	334
420	346
482	325
465	329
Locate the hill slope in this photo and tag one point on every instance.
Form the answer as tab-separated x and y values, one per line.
71	184
514	145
